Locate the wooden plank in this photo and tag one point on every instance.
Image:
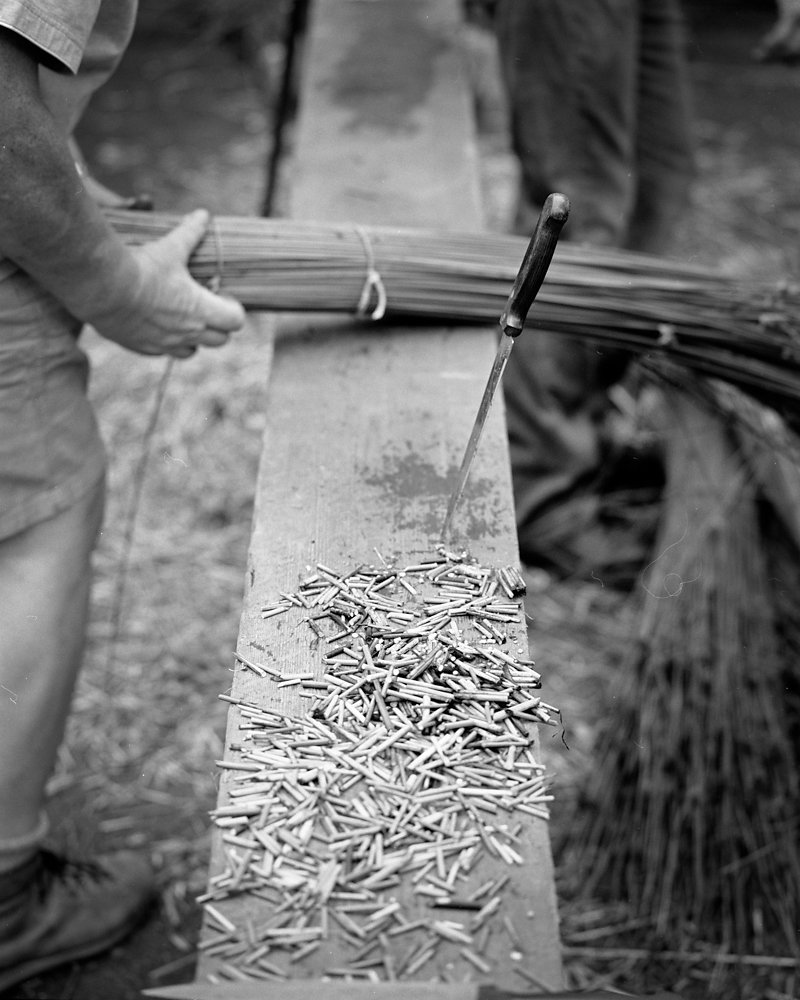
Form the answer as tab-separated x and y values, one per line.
385	134
329	991
366	424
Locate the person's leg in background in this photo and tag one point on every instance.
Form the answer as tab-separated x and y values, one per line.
573	73
51	504
664	148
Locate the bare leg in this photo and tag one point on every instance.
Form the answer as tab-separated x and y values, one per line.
52	910
44	595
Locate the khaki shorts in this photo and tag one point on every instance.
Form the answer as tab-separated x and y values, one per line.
51	453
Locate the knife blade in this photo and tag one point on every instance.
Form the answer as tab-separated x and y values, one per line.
532	271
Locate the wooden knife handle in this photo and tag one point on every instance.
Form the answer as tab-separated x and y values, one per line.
535	263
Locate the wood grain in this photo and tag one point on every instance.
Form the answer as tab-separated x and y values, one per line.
365	432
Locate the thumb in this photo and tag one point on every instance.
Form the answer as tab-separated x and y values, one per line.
218	311
181	242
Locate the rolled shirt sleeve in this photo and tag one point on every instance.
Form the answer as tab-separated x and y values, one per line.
60	30
80	41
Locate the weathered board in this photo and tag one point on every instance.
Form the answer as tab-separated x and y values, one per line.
367	423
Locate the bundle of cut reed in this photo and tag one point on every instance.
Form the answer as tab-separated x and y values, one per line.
693	799
746	333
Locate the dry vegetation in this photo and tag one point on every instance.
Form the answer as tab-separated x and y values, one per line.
138	763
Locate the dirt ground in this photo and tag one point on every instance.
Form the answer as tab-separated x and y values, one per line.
186	122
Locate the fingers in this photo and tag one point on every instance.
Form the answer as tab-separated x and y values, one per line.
182	353
219	312
782	43
183	239
204	338
212	338
215	311
768	48
181	314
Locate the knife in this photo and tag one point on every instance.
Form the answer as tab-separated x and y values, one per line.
528	282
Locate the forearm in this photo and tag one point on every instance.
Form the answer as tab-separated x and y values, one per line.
50	227
144	299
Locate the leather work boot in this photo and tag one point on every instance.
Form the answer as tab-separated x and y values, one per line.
53	910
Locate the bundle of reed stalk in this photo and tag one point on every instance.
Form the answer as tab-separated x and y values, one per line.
747	333
694	796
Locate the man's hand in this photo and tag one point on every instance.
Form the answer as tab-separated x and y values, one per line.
782	42
170	312
143	299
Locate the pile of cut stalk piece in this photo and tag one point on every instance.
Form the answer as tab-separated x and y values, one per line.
413	761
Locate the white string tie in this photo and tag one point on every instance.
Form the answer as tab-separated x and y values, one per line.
373	282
